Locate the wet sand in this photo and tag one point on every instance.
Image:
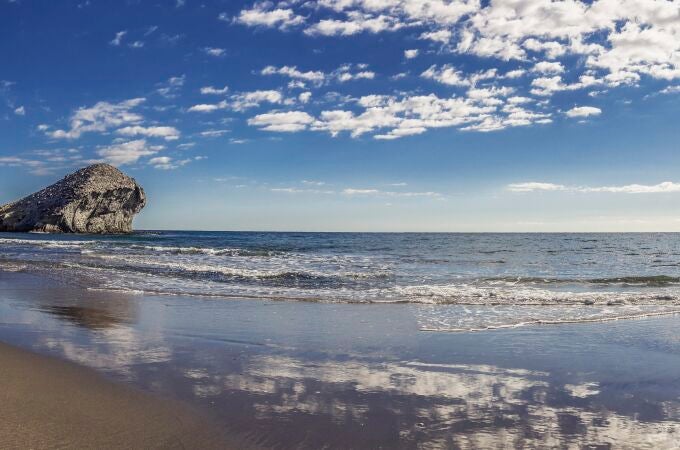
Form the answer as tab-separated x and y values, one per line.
48	403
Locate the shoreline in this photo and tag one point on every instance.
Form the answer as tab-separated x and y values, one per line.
313	375
46	403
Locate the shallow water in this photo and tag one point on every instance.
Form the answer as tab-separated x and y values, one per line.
337	375
623	275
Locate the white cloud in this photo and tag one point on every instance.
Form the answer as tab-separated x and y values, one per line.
356	23
441	36
398	117
535	186
293	72
378	192
446	74
209	90
118	39
208	107
347	76
170	88
262	15
344	73
282	121
20	111
670	90
128	152
255	98
619	41
304	97
665	187
548	67
517	73
34	166
167	163
661	188
214	51
584	111
214	133
99	118
167	133
552	49
410	54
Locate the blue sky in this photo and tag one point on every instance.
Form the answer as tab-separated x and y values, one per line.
367	115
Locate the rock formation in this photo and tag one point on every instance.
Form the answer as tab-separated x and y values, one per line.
96	199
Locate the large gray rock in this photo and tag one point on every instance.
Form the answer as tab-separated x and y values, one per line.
96	199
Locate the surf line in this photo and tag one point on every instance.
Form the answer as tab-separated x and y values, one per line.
549	322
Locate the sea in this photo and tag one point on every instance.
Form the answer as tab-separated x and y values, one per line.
471	281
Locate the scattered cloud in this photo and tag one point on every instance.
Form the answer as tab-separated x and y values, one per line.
344	73
168	163
282	121
170	88
670	90
264	14
214	133
209	90
214	51
20	111
412	53
583	111
100	118
167	133
130	152
118	39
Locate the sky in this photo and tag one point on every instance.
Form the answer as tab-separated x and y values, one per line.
353	115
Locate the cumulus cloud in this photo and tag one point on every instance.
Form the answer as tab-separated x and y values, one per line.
253	99
412	53
314	76
167	163
208	107
264	14
548	67
344	73
238	102
209	90
100	118
392	117
583	111
130	152
618	41
167	133
20	111
282	121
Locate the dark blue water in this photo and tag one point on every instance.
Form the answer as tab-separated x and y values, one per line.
561	273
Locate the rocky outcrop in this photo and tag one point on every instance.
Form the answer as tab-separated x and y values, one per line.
96	199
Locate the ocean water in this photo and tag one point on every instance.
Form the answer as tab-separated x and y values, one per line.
469	281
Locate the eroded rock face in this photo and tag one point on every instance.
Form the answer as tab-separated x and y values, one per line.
95	199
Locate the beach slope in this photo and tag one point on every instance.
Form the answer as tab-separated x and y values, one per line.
47	403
